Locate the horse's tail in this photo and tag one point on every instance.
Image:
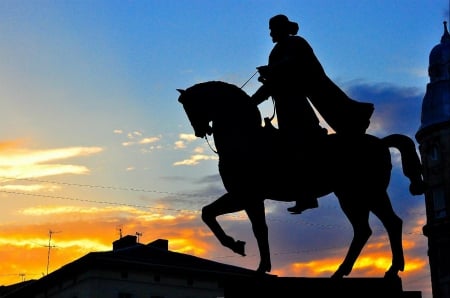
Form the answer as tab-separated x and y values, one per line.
411	164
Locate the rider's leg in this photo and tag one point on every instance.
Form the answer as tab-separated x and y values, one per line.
307	197
312	184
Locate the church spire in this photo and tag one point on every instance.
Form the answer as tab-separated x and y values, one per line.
434	145
446	36
436	103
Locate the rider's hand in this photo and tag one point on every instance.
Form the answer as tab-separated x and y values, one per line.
263	71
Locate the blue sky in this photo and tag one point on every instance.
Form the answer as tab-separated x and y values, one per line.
92	130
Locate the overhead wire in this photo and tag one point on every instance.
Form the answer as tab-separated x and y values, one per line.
102	186
114	188
103	202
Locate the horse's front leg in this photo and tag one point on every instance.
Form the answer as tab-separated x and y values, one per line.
257	216
223	205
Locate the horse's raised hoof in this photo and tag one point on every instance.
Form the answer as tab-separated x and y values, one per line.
238	247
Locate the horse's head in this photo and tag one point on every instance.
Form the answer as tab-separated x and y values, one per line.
197	115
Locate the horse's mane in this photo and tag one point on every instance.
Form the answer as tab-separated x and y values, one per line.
218	88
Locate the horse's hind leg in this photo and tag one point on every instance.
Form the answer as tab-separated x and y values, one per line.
359	219
257	216
223	205
393	225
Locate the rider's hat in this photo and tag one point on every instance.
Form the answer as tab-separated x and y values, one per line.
281	23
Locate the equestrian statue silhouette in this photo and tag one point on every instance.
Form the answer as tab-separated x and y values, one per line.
356	168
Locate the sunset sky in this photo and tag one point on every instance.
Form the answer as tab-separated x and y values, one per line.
93	141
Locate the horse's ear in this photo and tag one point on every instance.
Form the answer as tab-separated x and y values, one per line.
181	93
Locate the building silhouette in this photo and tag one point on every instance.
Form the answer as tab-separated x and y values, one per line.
135	270
132	270
433	137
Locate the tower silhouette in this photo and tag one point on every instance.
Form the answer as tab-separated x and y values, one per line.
433	137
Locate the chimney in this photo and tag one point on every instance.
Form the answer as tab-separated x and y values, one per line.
124	242
160	243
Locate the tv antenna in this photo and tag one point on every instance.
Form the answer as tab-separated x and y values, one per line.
50	246
22	275
138	235
119	229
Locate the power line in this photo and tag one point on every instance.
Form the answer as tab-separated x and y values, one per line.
269	218
105	187
92	201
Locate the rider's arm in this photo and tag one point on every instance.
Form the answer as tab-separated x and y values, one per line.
261	94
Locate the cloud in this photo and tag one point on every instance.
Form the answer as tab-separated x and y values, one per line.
195	160
180	144
25	245
137	138
149	140
18	164
311	244
19	157
29	187
198	152
397	109
183	139
6	145
26	163
187	137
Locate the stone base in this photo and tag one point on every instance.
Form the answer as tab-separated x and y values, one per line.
286	287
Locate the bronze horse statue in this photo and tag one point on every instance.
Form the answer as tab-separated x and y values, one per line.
356	169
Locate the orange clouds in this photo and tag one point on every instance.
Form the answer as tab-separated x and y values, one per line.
85	221
6	145
83	229
372	264
78	230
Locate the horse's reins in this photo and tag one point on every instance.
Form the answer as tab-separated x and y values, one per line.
249	79
207	141
265	119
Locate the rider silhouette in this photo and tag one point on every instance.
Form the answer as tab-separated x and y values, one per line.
295	79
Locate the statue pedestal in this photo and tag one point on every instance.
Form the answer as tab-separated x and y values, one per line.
286	287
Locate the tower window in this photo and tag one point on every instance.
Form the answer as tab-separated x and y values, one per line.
439	203
434	153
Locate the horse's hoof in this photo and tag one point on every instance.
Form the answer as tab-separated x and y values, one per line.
264	267
340	273
391	274
239	247
337	275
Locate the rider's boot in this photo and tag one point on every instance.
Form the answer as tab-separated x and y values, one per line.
302	205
